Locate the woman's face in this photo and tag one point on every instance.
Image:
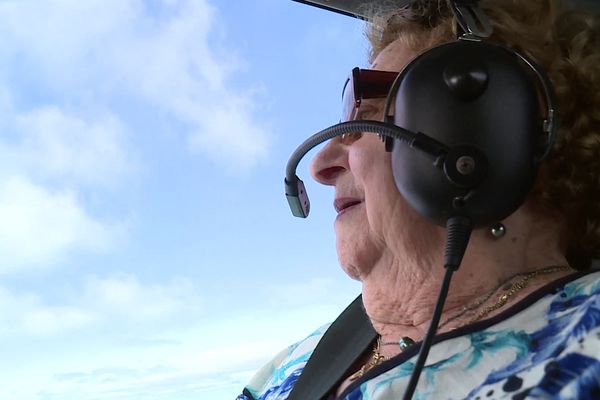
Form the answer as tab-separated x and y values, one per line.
373	220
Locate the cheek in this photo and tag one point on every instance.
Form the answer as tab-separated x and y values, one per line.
394	223
372	168
360	236
384	204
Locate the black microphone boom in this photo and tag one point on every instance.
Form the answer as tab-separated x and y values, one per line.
295	191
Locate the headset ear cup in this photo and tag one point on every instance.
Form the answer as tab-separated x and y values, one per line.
477	96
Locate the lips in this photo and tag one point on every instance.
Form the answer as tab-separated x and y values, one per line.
342	204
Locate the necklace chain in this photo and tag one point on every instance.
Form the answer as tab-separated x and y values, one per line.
525	278
377	358
515	288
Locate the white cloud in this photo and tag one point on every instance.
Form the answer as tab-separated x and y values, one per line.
49	156
227	129
26	314
200	358
39	226
70	149
54	320
313	291
174	64
123	295
71	73
101	302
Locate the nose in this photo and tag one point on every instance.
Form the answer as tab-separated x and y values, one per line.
330	162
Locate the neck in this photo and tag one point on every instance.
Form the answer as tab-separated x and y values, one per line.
400	292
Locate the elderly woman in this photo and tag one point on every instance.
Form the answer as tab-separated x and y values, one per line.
522	316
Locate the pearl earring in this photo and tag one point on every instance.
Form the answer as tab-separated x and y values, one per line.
498	230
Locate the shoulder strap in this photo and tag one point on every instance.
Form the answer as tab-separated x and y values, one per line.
339	348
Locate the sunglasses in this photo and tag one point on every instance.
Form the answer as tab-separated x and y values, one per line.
364	84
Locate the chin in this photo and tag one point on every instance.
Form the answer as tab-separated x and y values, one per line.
357	258
352	272
346	257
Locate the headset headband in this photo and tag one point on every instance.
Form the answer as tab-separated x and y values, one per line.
358	8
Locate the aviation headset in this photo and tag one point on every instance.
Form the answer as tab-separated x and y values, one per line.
472	109
472	121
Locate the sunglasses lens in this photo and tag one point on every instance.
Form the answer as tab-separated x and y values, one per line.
370	84
350	138
348	101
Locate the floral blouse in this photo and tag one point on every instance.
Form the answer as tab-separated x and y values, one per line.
547	346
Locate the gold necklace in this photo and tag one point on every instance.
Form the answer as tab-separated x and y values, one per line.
525	276
514	289
377	358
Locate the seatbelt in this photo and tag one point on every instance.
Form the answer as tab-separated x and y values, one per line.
340	347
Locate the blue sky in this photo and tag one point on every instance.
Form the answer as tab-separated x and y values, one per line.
146	247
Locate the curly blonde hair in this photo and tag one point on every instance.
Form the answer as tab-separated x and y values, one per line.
566	44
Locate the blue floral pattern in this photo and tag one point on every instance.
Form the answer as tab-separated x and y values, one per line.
549	350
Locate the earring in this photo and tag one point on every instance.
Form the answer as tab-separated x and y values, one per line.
498	230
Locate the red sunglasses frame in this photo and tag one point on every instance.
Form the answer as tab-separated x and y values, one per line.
364	84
